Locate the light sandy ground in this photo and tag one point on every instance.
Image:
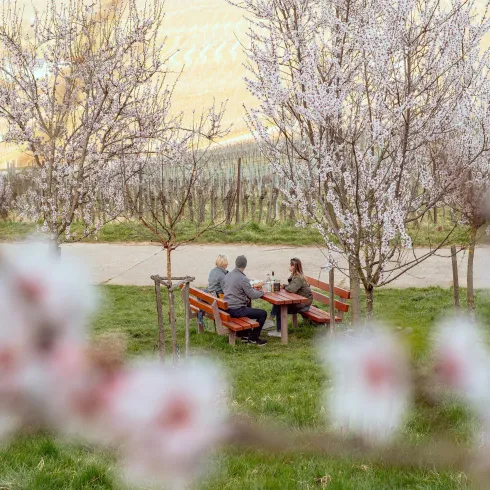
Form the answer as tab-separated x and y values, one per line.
134	264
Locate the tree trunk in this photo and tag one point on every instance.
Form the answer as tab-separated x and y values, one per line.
187	319
369	302
261	206
238	190
161	331
270	205
454	262
171	319
355	295
253	206
169	263
191	207
331	283
212	210
470	301
140	193
246	197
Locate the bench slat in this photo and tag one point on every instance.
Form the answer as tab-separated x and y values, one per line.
208	298
235	327
319	316
326	301
251	323
242	322
342	293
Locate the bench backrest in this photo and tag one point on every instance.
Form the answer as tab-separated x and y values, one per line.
209	303
208	298
340	305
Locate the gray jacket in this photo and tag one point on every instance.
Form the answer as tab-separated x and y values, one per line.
215	280
238	290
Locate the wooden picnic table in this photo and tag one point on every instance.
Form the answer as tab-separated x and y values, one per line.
282	299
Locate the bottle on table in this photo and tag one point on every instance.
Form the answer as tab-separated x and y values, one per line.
268	283
274	284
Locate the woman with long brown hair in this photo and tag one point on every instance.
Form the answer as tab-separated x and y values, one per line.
296	284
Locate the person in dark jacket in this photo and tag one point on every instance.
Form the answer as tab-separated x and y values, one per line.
217	275
238	294
296	284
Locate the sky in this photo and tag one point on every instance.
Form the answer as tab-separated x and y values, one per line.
207	34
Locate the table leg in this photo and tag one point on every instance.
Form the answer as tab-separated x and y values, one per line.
284	324
295	320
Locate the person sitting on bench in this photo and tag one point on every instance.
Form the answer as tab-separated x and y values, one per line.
238	295
296	284
215	283
217	276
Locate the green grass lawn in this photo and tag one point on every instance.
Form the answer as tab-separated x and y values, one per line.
276	385
276	234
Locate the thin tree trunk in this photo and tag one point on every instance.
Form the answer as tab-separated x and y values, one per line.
171	317
246	197
355	295
187	319
169	263
369	302
238	190
331	283
261	206
270	205
470	293
140	193
212	211
161	331
454	262
191	207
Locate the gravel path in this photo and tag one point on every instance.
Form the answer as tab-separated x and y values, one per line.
133	264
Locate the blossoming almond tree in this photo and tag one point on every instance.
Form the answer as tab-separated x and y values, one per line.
352	94
467	199
187	150
5	196
80	88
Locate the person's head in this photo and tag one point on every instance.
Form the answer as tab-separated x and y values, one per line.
222	261
295	267
241	262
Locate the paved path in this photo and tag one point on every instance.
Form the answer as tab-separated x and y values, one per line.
133	264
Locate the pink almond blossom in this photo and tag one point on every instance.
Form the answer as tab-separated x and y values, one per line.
462	362
371	383
169	419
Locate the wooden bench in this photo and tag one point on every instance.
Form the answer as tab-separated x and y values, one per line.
320	316
216	309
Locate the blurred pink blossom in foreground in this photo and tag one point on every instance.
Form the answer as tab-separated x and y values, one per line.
169	419
371	383
162	420
462	362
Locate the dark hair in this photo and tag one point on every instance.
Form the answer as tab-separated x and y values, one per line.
298	268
